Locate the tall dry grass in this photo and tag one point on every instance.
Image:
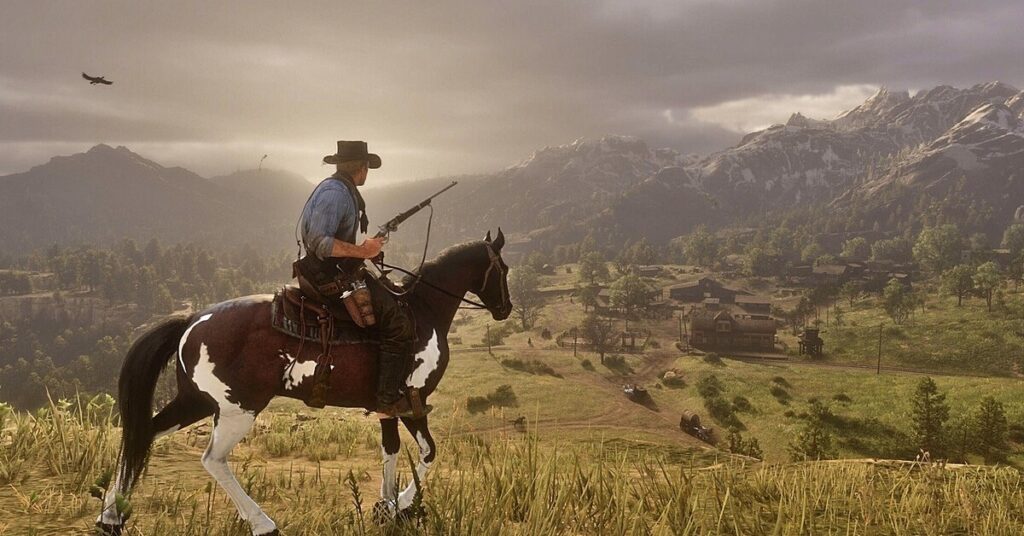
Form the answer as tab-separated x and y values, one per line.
494	485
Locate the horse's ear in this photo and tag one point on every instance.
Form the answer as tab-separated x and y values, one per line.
488	237
499	240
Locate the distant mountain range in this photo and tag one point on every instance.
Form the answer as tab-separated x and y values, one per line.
962	150
110	193
959	148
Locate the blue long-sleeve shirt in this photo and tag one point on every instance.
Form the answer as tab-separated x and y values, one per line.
330	208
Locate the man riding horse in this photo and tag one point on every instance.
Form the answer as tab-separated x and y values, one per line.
232	358
329	221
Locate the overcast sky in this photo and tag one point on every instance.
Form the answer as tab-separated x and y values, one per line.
455	87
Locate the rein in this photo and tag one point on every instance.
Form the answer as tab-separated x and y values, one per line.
419	279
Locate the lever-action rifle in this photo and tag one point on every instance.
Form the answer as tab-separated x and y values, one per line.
349	264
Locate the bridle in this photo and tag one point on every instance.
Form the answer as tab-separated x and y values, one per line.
495	263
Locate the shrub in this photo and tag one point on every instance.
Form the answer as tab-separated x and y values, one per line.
496	335
530	367
820	412
718	408
780	394
813	443
779	380
712	358
654	344
842	397
618	364
503	397
545	334
894	332
721	410
710	386
746	447
587	365
478	404
740	403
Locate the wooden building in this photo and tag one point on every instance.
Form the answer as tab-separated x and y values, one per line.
703	288
755	305
720	329
648	270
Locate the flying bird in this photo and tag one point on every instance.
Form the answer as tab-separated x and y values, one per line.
97	80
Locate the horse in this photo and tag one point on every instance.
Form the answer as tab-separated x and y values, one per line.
231	362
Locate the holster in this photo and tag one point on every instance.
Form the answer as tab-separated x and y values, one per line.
349	288
359	304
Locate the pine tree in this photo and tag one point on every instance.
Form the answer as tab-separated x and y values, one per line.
930	413
814	442
990	428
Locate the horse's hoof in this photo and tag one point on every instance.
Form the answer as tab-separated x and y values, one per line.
411	513
103	529
383	512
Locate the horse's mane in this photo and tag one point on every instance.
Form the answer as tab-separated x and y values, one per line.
456	254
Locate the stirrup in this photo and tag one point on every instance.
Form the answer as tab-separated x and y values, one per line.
409	405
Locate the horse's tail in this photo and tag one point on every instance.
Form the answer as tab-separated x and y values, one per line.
139	374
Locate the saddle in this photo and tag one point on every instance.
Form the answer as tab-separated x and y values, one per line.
308	318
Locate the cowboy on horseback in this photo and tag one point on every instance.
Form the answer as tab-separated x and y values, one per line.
329	223
234	357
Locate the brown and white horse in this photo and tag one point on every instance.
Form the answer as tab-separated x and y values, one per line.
231	363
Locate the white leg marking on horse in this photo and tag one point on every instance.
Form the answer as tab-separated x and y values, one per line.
431	356
181	343
232	425
388	484
409	493
109	515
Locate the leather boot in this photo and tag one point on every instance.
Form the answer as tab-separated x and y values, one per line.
391	401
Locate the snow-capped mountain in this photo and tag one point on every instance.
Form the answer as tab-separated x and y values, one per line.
809	160
972	171
622	189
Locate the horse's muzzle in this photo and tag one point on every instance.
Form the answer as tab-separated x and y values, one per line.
502	313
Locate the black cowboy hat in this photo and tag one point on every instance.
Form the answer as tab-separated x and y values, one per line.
353	150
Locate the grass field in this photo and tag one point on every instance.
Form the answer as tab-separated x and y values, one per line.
944	337
493	483
589	461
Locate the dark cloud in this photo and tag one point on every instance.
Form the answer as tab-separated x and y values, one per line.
449	87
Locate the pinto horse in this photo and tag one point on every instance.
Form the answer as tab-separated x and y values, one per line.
231	362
